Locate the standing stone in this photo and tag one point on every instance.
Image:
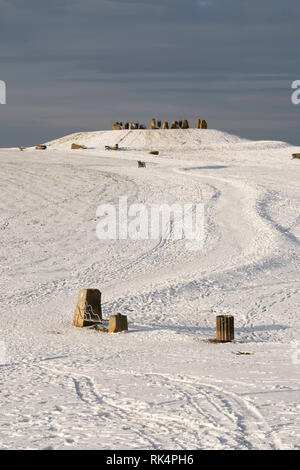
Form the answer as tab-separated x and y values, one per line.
116	126
198	124
117	323
88	310
159	124
165	125
185	124
77	147
174	125
203	124
41	147
153	124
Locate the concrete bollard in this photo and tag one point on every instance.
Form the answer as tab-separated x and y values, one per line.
117	323
224	328
88	310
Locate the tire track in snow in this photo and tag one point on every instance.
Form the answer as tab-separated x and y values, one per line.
199	415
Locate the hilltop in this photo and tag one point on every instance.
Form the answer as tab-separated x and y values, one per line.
167	140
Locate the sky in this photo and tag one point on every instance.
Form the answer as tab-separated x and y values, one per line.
80	65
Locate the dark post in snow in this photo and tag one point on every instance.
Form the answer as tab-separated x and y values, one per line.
224	328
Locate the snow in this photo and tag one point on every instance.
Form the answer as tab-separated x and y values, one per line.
161	385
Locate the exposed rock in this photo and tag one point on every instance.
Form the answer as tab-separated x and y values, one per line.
77	146
41	147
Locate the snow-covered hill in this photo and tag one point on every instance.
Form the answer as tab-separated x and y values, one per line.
171	139
162	384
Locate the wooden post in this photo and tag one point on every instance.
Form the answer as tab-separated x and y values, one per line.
117	323
224	328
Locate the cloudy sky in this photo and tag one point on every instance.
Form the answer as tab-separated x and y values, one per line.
73	65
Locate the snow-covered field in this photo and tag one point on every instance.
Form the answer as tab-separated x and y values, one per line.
161	385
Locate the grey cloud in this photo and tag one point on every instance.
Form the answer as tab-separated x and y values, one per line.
87	60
